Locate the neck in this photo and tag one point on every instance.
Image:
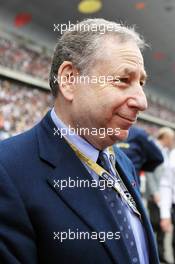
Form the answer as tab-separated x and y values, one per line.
62	114
99	143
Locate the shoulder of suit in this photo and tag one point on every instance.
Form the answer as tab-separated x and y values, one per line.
17	147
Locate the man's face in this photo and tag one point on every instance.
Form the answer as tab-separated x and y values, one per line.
117	102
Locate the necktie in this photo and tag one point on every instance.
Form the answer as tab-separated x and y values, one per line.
118	209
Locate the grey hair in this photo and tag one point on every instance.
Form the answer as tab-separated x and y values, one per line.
82	41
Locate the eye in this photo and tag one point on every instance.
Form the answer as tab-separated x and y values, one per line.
124	80
142	83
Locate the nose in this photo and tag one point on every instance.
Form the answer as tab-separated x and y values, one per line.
138	99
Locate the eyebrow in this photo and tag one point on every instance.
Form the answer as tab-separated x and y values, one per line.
128	71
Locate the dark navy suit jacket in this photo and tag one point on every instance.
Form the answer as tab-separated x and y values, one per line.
32	209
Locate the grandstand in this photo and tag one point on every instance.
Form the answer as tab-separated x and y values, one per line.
17	56
25	96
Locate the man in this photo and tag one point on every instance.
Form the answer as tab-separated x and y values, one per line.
40	222
141	150
159	186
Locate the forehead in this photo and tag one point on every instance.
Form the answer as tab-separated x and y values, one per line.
118	46
117	54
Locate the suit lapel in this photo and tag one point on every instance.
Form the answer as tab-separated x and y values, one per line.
87	203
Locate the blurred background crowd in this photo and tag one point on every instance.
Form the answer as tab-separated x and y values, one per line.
18	57
13	94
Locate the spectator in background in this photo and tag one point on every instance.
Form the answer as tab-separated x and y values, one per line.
141	150
167	200
158	191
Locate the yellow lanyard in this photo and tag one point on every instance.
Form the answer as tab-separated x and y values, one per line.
108	177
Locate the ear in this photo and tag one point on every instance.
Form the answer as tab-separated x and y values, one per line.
67	74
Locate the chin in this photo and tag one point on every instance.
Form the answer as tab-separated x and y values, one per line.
120	137
123	135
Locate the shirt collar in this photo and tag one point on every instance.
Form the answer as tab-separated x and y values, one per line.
86	148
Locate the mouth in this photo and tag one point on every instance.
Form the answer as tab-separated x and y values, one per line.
127	119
